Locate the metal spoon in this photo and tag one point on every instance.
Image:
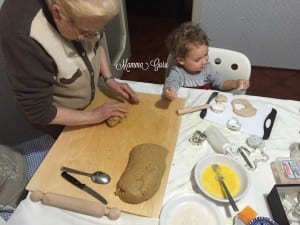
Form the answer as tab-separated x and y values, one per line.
98	177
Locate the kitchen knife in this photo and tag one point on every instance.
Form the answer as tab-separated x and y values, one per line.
211	97
82	186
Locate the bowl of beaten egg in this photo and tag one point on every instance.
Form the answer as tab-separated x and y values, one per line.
235	176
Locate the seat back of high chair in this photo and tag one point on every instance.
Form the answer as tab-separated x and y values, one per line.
230	64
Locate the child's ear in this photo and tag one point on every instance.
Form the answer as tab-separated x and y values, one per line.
180	61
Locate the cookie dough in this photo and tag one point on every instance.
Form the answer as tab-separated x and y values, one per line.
218	107
247	109
221	98
113	121
144	171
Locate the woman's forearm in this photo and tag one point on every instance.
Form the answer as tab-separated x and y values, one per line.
71	117
104	65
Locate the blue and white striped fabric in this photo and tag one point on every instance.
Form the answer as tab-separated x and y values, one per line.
34	151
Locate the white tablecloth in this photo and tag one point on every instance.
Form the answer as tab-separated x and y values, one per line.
285	131
2	222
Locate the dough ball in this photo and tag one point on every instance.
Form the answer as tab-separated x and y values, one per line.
113	121
221	98
218	107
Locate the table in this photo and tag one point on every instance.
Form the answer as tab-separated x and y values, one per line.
285	131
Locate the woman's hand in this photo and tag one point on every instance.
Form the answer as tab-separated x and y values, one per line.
107	110
71	117
124	90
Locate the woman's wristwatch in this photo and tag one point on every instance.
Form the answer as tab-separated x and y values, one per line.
107	78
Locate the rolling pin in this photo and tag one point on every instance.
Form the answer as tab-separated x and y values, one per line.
96	209
217	108
192	109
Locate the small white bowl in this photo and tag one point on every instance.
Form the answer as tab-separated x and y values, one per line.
187	208
221	159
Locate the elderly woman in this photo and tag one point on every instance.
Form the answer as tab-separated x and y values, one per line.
54	58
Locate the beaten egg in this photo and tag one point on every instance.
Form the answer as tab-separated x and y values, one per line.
212	185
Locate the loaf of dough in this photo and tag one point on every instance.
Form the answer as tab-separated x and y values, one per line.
144	171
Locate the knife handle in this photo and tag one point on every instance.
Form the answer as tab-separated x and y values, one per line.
244	156
268	123
211	97
72	180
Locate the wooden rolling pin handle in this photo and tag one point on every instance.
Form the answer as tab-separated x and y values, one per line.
96	209
192	109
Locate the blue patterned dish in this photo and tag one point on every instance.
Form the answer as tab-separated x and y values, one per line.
262	221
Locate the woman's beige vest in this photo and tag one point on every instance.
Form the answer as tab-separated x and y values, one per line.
72	83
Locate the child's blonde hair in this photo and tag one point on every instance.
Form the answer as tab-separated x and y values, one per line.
76	9
188	33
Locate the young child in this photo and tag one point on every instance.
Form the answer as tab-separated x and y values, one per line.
188	45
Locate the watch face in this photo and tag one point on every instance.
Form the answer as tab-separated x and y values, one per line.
262	221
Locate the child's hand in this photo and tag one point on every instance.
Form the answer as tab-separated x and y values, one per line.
243	84
170	93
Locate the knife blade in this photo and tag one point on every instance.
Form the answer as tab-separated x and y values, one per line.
211	97
83	187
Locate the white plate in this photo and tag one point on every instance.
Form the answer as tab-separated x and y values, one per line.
190	209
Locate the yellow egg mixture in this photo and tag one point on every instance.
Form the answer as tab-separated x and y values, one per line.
212	185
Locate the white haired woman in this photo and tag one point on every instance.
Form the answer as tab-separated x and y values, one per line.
54	58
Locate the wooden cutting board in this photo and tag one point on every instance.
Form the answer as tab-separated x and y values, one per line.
100	147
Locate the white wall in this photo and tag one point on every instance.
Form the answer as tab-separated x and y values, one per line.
117	40
267	31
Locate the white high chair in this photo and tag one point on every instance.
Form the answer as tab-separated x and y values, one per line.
231	64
